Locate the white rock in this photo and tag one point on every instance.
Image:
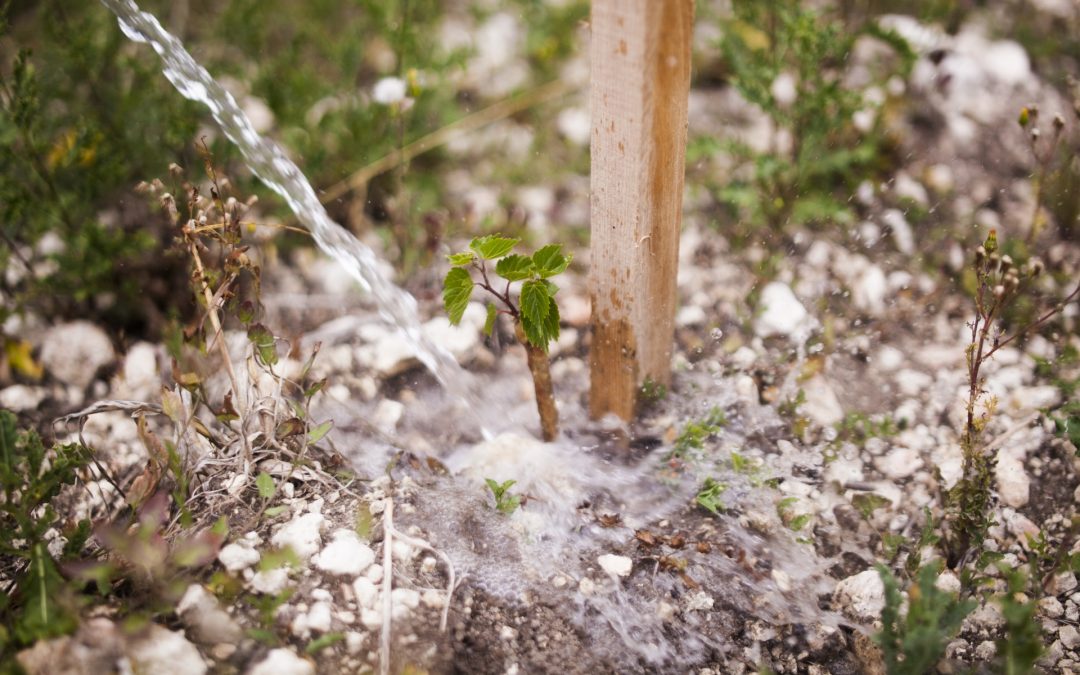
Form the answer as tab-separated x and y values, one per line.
1069	636
260	114
1020	527
366	592
615	565
1013	482
205	620
574	125
389	355
74	352
889	358
141	374
270	582
387	414
907	187
782	313
460	340
744	358
389	90
842	470
700	601
903	236
238	556
20	398
317	619
784	89
282	661
861	596
947	582
690	315
303	535
913	382
159	651
899	462
821	406
346	555
403	601
870	291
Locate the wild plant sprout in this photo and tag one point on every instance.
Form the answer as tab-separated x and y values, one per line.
535	314
999	281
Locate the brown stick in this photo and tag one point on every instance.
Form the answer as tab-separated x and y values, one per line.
540	367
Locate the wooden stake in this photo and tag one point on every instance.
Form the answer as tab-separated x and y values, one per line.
640	81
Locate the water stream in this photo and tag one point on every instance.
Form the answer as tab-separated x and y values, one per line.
268	161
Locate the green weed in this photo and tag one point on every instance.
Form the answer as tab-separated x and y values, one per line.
505	502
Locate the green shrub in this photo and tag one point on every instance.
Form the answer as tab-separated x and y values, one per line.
81	119
812	181
31	477
912	644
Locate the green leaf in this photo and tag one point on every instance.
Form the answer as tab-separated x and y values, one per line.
457	259
317	433
551	324
493	246
867	503
489	323
799	522
322	642
457	288
515	267
265	483
275	511
535	302
263	341
550	261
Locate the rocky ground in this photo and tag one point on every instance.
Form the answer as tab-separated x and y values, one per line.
610	565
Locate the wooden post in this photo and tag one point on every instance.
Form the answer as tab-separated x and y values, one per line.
640	81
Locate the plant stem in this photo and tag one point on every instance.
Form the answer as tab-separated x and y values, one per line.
540	367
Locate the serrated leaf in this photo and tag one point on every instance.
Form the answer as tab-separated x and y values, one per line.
489	322
550	260
457	288
316	434
551	324
535	302
264	482
515	267
550	287
493	246
457	259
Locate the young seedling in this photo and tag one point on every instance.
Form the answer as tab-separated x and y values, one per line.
504	501
535	314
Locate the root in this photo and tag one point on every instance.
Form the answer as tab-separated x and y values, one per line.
389	534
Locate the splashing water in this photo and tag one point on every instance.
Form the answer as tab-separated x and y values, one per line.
273	167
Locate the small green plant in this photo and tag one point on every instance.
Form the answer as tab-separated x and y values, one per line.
999	281
42	605
1021	643
505	502
709	496
791	518
789	60
696	432
535	314
912	644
